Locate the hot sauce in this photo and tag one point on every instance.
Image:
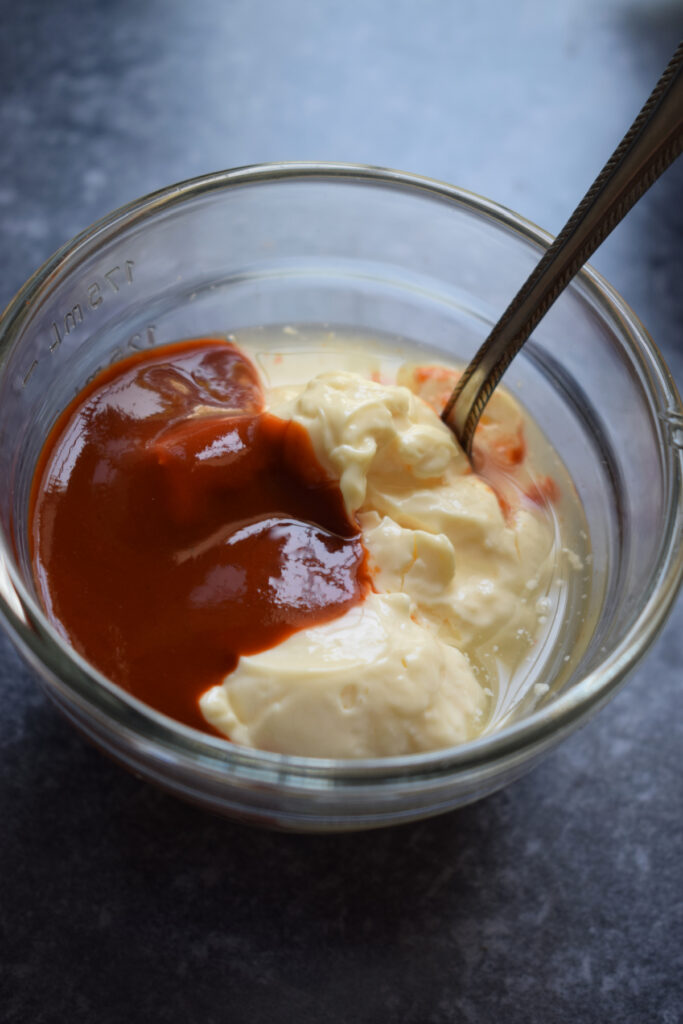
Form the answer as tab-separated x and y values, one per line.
176	525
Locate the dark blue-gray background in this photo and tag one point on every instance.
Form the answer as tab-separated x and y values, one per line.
559	899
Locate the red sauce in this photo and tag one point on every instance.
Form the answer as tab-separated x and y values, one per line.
177	526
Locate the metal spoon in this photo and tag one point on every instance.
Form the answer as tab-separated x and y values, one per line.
653	141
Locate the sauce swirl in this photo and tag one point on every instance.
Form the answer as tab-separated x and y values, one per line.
176	525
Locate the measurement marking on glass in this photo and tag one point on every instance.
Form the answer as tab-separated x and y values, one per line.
71	319
136	343
111	275
111	282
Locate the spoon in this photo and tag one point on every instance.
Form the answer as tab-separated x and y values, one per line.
653	141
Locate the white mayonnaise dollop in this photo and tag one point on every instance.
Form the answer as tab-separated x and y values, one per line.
454	579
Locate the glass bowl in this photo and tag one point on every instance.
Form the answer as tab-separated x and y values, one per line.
404	257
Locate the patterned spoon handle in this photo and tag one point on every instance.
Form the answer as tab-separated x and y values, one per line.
653	141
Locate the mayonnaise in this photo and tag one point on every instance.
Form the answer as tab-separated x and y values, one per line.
457	582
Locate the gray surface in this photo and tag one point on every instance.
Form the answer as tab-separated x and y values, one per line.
559	899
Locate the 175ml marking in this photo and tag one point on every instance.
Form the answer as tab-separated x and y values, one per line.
112	281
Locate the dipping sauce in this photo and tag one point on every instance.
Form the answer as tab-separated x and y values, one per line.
177	525
283	544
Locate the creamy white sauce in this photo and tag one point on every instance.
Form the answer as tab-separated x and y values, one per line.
463	591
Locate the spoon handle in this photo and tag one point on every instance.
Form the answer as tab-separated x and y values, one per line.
653	141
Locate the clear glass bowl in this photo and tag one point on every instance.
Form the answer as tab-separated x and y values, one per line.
373	250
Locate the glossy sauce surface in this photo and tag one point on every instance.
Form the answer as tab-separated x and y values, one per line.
176	525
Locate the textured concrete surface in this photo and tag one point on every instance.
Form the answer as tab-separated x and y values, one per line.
559	899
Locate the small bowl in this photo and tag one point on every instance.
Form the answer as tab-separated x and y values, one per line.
396	255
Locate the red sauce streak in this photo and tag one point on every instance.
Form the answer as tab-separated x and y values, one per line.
177	526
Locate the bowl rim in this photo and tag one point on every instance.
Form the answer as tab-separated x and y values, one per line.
144	727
